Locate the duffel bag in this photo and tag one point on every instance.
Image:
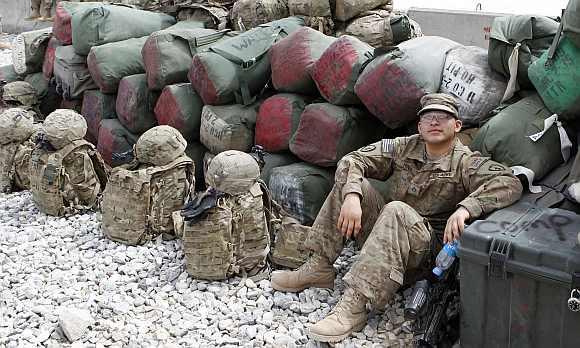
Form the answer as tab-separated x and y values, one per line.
468	77
180	107
115	140
8	74
338	69
62	25
212	15
345	10
275	160
293	57
392	84
109	63
94	26
50	53
97	107
28	50
238	69
515	43
228	127
328	132
71	73
248	14
301	189
557	79
278	119
167	54
136	104
47	96
527	137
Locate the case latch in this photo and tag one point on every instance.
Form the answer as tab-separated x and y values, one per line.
574	300
499	253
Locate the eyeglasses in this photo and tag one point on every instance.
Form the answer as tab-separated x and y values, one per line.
430	117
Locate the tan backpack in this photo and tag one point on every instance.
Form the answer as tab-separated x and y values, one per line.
230	238
52	179
137	204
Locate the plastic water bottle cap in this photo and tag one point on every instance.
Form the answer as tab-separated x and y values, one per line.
438	271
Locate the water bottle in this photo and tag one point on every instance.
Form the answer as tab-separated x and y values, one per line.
445	258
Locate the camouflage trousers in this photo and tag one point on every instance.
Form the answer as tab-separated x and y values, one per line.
395	242
43	6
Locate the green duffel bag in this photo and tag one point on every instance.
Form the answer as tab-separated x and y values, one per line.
167	54
28	51
71	74
557	80
8	74
526	137
571	21
515	43
46	92
238	69
109	63
103	24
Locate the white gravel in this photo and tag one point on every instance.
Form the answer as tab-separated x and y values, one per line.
63	270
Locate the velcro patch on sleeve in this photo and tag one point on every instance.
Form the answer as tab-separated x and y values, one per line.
477	162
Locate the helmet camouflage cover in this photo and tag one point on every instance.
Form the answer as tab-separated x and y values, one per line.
16	125
233	172
64	126
160	146
20	92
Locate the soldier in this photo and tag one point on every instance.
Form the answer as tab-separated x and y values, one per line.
21	94
41	10
439	185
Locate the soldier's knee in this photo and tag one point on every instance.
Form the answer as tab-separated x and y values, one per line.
396	207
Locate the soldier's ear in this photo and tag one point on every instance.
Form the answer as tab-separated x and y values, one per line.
458	125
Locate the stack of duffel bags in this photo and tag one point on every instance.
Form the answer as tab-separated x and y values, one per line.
535	129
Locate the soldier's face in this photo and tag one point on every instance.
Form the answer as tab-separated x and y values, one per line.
438	127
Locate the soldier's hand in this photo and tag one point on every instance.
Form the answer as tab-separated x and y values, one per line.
349	221
455	225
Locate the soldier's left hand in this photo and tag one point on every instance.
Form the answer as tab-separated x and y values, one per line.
455	225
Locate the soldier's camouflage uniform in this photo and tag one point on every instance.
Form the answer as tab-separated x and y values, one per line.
396	236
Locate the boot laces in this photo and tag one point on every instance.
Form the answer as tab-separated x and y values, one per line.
312	264
349	302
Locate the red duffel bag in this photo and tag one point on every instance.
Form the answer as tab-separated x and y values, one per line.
392	84
135	104
49	54
277	121
97	107
337	71
328	132
114	140
292	59
179	106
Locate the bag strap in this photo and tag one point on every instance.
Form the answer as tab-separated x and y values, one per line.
555	42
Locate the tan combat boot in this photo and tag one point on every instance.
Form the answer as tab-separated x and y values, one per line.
349	315
317	272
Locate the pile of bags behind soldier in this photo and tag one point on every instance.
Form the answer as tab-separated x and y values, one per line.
327	96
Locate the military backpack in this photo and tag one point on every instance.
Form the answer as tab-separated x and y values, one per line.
137	204
54	178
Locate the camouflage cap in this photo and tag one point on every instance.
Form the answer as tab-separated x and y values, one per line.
16	125
233	172
441	102
64	126
20	92
160	146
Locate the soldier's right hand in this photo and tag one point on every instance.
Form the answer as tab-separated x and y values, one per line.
349	221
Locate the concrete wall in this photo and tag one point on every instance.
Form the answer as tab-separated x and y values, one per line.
13	12
466	27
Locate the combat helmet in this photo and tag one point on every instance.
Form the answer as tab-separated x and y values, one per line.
160	146
16	125
233	172
64	126
19	94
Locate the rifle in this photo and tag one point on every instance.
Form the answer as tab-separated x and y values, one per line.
431	306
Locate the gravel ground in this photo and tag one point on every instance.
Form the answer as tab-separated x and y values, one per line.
60	277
